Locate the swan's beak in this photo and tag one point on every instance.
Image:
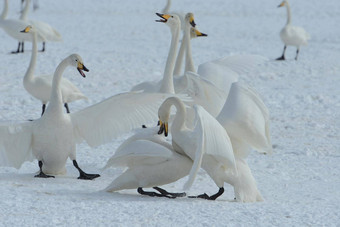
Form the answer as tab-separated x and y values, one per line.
282	4
163	128
27	29
192	22
198	33
81	67
164	17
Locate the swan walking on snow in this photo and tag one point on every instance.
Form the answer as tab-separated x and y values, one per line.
292	35
40	86
151	162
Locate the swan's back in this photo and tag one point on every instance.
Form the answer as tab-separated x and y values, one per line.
46	31
294	36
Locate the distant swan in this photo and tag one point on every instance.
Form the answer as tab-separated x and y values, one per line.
40	86
292	35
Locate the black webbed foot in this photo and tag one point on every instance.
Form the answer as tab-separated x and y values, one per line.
43	175
174	195
282	58
83	175
152	194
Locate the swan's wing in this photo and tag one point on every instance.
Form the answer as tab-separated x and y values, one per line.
139	152
213	140
15	144
46	31
246	117
204	93
225	71
119	114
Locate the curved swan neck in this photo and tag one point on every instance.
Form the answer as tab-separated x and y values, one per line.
5	10
168	82
289	14
189	62
181	113
30	70
167	7
56	98
24	12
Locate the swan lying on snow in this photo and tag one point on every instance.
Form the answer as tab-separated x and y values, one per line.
151	162
40	86
292	35
52	138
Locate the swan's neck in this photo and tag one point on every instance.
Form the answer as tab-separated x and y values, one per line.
167	7
189	62
24	12
179	60
168	82
30	71
178	123
5	10
289	14
56	104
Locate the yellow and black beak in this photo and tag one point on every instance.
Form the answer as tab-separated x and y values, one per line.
198	33
164	17
81	67
27	29
192	21
163	127
282	4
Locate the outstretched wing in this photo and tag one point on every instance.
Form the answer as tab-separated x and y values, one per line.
225	71
119	114
15	144
203	93
213	140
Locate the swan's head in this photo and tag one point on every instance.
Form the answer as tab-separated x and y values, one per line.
76	61
171	20
283	3
189	18
195	33
28	29
164	115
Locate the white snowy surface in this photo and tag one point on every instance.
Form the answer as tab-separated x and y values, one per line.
122	45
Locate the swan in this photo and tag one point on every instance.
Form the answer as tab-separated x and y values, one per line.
52	138
200	90
206	142
151	161
46	31
292	35
40	86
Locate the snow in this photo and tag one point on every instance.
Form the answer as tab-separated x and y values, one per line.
122	45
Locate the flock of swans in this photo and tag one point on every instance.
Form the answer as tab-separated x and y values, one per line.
217	121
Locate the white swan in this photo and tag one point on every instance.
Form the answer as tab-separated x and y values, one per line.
53	137
200	90
292	35
244	115
206	143
46	31
151	162
40	86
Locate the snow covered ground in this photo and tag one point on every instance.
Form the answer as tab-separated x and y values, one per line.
122	46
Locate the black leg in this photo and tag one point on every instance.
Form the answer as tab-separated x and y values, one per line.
213	197
143	126
43	109
83	175
152	194
42	174
283	54
18	50
297	53
22	47
67	109
43	48
164	192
